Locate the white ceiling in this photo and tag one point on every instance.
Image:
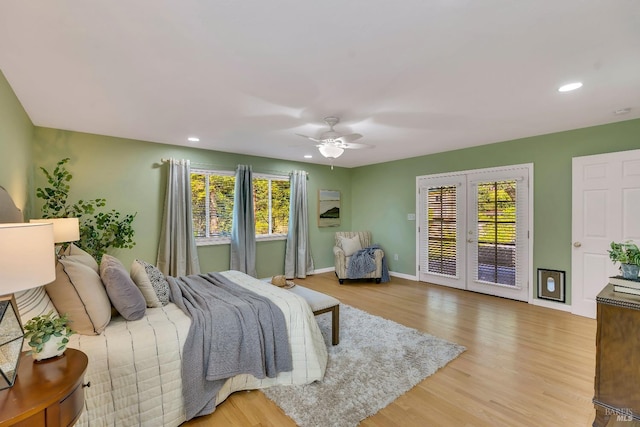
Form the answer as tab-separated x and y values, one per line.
413	76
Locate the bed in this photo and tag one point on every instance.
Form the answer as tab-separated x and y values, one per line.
134	371
135	366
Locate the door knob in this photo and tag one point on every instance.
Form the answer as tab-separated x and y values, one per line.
577	244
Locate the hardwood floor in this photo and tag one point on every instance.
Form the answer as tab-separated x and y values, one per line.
524	366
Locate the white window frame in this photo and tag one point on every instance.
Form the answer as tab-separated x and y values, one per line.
218	240
270	178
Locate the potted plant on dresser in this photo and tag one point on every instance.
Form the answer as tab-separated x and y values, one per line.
48	335
628	255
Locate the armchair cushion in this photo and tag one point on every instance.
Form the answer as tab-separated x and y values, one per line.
350	245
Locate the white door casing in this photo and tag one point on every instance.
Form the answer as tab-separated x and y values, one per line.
605	208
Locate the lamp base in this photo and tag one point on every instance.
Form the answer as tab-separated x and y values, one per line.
11	340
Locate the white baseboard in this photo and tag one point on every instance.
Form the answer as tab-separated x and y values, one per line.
391	273
323	270
403	276
551	304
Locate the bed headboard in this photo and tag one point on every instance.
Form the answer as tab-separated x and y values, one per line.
8	210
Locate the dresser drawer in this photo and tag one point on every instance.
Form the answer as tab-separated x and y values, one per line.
71	406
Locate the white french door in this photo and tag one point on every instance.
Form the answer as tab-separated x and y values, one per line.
474	230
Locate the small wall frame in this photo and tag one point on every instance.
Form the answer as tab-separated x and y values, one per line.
551	285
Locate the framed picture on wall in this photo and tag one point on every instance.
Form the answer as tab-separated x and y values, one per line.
328	208
551	284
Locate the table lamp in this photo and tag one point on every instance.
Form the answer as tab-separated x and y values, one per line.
26	261
64	230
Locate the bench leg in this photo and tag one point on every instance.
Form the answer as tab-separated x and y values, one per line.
335	325
335	322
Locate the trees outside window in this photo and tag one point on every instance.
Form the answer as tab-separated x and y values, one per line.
212	205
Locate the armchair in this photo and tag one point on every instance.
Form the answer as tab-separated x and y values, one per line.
349	242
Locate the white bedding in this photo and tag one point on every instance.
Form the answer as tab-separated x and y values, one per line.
134	367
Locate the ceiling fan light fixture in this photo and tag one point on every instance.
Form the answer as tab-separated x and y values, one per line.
330	151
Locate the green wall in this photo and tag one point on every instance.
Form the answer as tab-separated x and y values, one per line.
378	197
384	211
16	132
129	174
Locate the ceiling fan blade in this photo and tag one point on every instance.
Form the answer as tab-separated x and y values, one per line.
349	138
351	145
309	137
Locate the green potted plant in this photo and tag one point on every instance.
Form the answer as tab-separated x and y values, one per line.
99	230
48	335
628	255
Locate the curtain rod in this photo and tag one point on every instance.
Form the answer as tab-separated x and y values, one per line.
233	168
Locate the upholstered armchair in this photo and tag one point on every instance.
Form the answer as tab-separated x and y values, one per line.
347	244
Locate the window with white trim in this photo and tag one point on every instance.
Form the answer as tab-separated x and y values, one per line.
212	205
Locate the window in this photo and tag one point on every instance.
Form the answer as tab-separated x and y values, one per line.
271	205
441	208
212	203
497	232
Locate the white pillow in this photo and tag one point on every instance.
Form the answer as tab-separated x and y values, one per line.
141	279
350	245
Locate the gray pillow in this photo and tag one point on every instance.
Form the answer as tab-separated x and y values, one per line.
158	282
123	293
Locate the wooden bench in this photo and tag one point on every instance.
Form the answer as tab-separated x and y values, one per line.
322	303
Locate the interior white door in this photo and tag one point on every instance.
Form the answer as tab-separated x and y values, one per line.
605	208
473	230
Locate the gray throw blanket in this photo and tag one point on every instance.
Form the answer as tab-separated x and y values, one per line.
233	331
363	262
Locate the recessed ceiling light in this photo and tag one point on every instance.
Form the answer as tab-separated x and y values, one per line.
570	86
193	139
308	156
622	111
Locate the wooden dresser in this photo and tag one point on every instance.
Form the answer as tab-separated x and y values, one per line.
617	381
48	393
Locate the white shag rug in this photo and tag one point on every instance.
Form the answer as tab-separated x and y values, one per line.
376	361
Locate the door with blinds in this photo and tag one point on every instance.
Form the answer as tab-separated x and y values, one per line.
474	230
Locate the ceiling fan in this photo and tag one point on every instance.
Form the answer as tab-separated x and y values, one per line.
332	144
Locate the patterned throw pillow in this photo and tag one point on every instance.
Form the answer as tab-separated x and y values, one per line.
158	281
34	302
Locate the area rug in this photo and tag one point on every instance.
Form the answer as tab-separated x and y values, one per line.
376	361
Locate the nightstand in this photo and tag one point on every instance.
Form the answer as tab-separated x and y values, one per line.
48	393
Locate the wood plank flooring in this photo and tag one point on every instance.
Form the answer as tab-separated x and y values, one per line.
524	365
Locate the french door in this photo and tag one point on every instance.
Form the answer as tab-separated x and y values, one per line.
474	230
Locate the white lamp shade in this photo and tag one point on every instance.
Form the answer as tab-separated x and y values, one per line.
27	259
330	151
64	229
